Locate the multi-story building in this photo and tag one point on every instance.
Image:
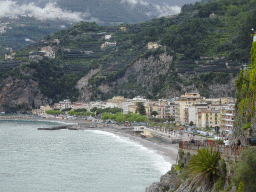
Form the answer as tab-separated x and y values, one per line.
80	105
185	101
228	115
115	102
63	104
211	118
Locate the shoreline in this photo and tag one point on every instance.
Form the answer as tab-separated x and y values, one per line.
163	148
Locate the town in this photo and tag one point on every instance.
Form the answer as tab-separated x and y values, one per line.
188	109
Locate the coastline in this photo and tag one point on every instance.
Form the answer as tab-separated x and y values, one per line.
163	148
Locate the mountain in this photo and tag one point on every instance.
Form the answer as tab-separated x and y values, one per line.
201	49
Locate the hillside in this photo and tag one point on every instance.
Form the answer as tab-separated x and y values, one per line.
201	49
21	31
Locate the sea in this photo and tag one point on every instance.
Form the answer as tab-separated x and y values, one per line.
34	160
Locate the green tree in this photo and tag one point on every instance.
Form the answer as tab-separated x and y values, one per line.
172	118
191	123
141	108
246	86
154	113
245	170
93	109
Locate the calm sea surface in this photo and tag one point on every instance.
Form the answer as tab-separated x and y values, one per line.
63	160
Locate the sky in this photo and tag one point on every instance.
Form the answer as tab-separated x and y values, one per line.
49	9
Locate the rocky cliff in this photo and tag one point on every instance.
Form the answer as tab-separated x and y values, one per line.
155	77
22	91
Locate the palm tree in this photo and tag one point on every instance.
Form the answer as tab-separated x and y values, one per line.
203	167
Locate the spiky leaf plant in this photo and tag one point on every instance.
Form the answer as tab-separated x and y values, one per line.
204	166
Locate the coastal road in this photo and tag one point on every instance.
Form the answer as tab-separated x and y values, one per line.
172	136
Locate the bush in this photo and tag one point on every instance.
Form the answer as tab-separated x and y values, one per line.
205	166
245	170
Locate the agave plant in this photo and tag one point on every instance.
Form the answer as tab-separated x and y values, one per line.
204	166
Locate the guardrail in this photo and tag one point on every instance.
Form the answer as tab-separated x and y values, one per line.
232	151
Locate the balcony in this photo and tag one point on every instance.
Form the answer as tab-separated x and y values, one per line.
230	120
228	125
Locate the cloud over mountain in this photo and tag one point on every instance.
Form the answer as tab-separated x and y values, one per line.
50	11
124	11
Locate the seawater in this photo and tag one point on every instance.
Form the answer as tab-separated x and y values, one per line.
63	160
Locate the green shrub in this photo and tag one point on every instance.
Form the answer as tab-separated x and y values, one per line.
245	170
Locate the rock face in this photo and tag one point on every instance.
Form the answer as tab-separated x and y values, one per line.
148	72
82	85
167	182
154	76
24	92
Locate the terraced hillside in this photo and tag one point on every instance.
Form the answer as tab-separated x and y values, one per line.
201	49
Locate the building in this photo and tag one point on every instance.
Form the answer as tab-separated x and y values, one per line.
63	105
56	41
212	15
108	44
211	118
153	45
228	116
48	52
185	101
115	102
123	28
107	37
80	105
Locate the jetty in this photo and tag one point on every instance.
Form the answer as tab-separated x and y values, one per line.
54	128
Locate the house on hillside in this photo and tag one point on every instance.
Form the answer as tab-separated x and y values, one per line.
10	56
56	41
123	28
153	45
212	15
2	29
107	37
48	52
108	44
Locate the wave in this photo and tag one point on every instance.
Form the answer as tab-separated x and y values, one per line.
158	160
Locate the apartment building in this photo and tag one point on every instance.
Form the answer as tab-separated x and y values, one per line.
227	117
63	104
183	103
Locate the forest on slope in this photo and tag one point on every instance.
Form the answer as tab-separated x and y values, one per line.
200	49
